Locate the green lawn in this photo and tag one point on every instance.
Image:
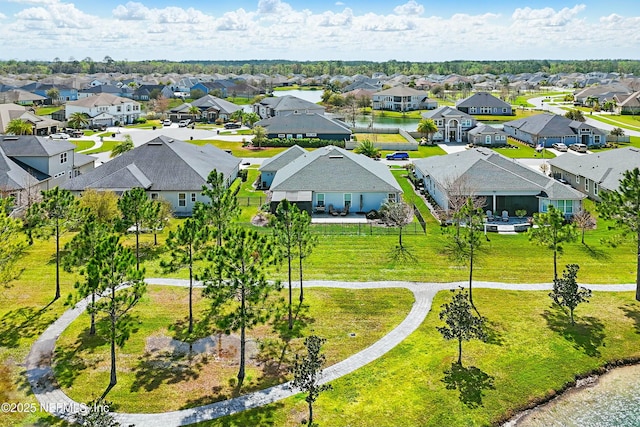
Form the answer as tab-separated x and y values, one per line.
83	144
48	110
238	150
380	137
107	146
523	151
517	114
625	122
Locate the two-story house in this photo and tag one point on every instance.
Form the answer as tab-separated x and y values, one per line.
105	109
453	125
402	98
484	103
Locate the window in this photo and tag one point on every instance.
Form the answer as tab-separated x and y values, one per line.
487	139
577	179
586	185
118	108
320	199
504	110
595	188
289	136
281	135
472	110
391	197
182	199
63	158
193	197
154	196
299	136
466	122
485	110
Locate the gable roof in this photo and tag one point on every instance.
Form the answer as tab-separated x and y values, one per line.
483	129
210	101
334	169
489	171
103	99
401	91
446	112
12	176
606	167
162	164
483	99
33	146
296	123
548	125
282	159
290	103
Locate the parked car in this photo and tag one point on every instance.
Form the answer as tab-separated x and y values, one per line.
59	135
580	148
559	146
98	126
184	123
232	125
167	122
398	155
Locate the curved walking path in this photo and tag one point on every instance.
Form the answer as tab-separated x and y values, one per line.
42	381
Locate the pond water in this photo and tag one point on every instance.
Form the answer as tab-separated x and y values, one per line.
613	401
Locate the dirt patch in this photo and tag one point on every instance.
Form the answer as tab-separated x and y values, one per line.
220	346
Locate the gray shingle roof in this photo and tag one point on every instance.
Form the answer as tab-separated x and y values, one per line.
606	167
294	123
168	164
330	168
33	146
548	125
482	99
290	103
483	129
210	101
445	112
104	99
279	161
488	171
12	176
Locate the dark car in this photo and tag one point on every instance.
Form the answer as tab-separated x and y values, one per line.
398	155
232	125
97	126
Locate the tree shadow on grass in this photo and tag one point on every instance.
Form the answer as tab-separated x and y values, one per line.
633	313
166	367
67	364
595	253
23	323
262	416
470	381
204	324
402	254
587	334
493	333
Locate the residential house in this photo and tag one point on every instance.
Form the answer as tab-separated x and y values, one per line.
506	184
485	135
402	98
121	91
332	177
453	125
21	97
628	104
305	125
65	93
547	129
270	166
281	105
40	125
165	168
599	93
484	103
593	173
48	163
211	109
145	91
105	109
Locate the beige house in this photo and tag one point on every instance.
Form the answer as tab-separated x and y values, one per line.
105	109
39	125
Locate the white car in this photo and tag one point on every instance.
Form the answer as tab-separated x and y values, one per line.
580	148
59	135
559	146
167	122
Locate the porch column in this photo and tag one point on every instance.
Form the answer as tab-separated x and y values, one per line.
493	199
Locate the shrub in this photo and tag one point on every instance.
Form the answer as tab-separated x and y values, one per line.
373	214
302	142
242	174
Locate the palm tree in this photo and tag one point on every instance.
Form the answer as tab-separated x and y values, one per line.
19	127
78	120
367	148
195	112
122	147
427	127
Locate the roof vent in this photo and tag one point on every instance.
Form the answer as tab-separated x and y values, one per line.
336	157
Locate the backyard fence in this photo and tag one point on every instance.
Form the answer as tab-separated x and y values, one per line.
351	229
251	201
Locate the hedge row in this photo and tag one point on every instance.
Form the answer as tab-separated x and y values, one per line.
302	142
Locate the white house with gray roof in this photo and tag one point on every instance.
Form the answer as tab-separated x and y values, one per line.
453	125
105	109
506	184
272	106
593	173
403	98
165	168
337	177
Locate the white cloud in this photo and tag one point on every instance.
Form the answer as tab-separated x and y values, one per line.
234	21
385	23
131	11
411	8
2	15
56	15
273	7
330	19
547	17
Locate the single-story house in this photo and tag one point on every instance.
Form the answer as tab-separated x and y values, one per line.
485	135
270	166
165	168
211	108
40	125
628	104
332	177
547	129
595	172
281	105
507	184
602	93
403	98
484	103
305	125
21	97
453	125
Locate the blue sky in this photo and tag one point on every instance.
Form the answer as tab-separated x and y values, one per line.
405	30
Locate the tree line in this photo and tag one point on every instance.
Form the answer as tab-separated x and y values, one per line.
317	68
